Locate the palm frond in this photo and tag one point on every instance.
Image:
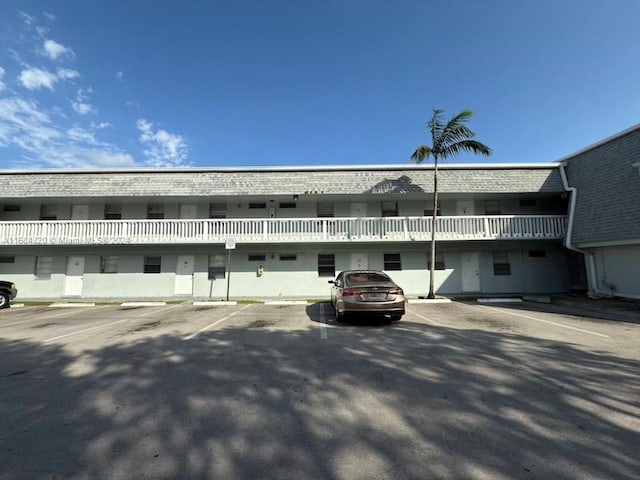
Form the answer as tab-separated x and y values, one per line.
454	134
472	146
436	125
454	130
422	153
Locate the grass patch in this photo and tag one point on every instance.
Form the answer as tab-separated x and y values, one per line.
250	302
317	300
35	304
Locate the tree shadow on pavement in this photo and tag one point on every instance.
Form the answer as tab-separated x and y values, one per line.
410	401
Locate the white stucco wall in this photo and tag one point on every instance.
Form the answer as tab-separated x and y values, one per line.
618	267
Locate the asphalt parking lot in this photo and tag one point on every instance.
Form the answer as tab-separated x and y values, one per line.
254	391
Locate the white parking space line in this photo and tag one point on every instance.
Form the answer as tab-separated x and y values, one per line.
323	326
157	311
211	325
53	339
545	321
428	320
48	317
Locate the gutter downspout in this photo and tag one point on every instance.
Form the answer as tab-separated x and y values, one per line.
592	282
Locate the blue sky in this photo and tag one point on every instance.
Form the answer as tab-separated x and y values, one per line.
297	82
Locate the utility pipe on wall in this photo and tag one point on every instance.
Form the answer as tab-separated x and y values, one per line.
589	256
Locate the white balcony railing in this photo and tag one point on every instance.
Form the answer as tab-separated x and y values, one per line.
280	230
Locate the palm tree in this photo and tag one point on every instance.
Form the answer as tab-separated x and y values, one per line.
447	140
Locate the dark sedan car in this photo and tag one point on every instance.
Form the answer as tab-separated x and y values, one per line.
366	292
8	292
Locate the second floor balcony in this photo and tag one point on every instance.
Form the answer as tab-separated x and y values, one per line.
281	230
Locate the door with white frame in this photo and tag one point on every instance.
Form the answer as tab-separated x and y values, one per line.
74	277
188	210
79	212
359	261
465	207
184	275
470	272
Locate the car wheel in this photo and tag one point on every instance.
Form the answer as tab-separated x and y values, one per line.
339	316
4	300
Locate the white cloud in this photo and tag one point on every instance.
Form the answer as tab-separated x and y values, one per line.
161	148
54	50
26	18
66	74
24	125
119	75
80	105
49	16
2	84
35	78
82	108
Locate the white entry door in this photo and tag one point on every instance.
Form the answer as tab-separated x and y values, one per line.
184	275
359	261
358	209
75	274
188	210
465	207
79	212
470	272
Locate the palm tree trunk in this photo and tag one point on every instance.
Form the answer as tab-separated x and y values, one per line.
432	267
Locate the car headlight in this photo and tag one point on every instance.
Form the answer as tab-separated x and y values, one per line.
13	286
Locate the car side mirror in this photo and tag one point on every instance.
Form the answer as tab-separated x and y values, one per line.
331	281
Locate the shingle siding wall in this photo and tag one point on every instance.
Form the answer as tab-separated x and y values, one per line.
608	204
131	184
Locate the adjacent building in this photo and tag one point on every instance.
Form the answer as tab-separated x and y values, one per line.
604	216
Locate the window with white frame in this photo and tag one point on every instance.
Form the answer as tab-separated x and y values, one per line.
257	257
152	264
501	264
217	269
113	211
325	209
326	265
44	268
392	261
288	257
389	208
428	211
7	259
48	212
218	210
11	208
155	211
109	264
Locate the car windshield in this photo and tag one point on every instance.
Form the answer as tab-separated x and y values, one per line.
365	278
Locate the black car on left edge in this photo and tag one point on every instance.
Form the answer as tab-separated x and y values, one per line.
8	292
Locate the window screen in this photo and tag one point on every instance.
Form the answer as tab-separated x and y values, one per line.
501	265
439	261
217	267
392	261
44	267
113	211
152	264
109	264
326	265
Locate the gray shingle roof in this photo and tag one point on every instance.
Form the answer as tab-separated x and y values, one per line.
513	179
